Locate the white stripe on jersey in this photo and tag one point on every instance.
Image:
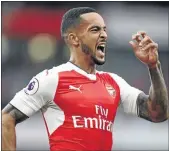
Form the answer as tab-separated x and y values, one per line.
54	116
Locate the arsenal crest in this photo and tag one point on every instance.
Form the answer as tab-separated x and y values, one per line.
111	90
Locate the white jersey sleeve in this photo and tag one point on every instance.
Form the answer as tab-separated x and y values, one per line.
128	94
40	90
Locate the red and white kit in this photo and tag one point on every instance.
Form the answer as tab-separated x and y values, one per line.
78	108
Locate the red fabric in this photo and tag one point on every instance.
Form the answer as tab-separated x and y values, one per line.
91	135
30	21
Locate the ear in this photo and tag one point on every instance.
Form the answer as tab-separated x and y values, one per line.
73	39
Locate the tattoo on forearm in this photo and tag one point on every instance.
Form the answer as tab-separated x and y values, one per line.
158	91
154	107
159	67
15	113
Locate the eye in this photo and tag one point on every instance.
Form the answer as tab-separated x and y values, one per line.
95	29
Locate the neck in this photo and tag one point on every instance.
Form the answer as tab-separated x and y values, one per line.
84	62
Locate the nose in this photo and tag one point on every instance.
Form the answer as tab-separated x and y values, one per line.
103	35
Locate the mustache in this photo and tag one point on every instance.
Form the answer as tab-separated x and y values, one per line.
105	41
102	41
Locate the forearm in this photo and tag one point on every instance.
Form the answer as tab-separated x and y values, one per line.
159	67
158	96
8	133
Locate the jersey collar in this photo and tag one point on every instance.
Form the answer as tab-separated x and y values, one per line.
82	72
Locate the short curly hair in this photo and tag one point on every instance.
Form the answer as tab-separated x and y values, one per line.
72	16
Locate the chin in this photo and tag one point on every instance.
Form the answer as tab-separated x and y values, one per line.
99	61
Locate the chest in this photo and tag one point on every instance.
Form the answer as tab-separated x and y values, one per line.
78	95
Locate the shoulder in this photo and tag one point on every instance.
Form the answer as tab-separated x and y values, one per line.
53	72
45	80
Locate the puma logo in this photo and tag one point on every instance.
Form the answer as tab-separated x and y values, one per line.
71	87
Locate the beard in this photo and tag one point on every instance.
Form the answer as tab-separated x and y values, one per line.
88	51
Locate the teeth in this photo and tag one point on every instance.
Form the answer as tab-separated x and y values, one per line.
103	45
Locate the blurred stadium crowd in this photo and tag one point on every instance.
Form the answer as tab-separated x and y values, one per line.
31	42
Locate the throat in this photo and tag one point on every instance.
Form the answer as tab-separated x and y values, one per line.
89	69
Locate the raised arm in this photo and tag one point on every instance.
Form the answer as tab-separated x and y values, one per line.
152	107
10	117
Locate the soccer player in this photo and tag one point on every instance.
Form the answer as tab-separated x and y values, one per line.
78	102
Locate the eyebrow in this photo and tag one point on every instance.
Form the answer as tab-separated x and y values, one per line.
96	26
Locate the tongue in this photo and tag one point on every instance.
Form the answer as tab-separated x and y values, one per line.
100	53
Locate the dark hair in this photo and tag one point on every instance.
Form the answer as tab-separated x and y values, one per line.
71	17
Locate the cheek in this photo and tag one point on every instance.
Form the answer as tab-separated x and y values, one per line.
90	39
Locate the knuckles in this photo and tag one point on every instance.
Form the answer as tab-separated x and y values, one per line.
143	42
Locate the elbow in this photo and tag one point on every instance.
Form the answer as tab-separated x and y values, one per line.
158	113
158	118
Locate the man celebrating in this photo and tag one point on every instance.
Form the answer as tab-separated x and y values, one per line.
78	102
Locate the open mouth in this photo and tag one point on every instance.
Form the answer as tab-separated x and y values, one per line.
101	48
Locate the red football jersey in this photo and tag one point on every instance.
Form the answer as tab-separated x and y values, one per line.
78	108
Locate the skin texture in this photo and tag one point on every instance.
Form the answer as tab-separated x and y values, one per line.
82	42
84	39
10	117
153	107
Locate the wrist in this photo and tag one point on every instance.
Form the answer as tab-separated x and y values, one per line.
152	66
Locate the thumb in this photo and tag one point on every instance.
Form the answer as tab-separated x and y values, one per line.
134	45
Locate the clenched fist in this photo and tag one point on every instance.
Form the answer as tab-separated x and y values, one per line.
145	49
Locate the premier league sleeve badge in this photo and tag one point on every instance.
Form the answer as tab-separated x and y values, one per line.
32	87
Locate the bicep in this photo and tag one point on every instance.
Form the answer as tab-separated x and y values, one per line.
16	114
143	106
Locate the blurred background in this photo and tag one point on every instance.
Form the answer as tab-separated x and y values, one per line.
31	42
